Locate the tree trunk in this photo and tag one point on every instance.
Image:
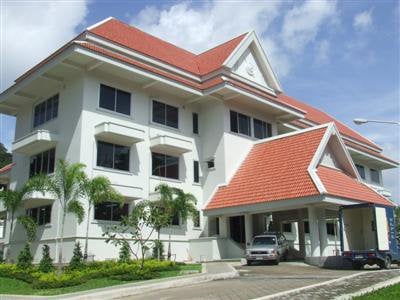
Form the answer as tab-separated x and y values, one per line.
87	233
158	246
60	253
7	254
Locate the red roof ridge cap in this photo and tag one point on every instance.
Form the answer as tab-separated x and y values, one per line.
293	133
221	44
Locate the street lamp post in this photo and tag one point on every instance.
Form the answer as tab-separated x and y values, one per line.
363	121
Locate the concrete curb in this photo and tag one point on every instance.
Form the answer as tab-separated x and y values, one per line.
130	289
370	289
293	291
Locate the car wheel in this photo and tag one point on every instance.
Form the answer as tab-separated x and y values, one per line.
249	262
276	262
387	263
357	266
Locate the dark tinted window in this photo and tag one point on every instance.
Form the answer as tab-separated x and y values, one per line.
262	129
211	164
115	100
165	114
287	227
195	123
361	171
165	166
45	111
196	219
109	211
196	171
175	220
42	163
264	240
112	156
375	176
330	228
41	215
306	227
240	123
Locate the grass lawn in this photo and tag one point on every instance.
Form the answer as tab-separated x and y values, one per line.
391	292
18	287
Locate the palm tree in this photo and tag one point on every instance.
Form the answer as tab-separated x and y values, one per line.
67	184
98	190
172	202
12	201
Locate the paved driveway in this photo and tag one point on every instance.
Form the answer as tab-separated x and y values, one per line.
255	281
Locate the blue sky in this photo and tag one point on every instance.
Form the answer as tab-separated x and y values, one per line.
340	56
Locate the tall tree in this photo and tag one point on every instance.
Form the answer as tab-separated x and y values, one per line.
97	191
68	185
5	156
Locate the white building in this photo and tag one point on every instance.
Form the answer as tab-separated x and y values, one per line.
142	112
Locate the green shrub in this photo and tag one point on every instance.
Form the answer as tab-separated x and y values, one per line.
136	274
77	258
124	253
46	263
25	258
158	246
53	280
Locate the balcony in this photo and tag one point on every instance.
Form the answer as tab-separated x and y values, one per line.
35	142
170	145
118	134
35	199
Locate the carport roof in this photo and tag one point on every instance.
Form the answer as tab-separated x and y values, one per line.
283	168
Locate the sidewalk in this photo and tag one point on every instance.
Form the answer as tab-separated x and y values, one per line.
210	272
339	288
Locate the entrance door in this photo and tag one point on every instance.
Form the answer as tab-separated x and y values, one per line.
237	229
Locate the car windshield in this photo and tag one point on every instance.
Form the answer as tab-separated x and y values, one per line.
264	240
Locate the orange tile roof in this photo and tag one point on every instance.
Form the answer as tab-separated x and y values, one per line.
135	39
6	168
319	117
273	170
337	183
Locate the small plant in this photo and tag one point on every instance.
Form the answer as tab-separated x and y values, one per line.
25	258
46	263
77	258
124	253
158	249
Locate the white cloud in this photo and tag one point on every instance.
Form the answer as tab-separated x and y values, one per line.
363	20
303	22
31	31
322	52
200	28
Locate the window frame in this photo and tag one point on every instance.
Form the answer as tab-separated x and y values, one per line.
264	126
374	171
195	123
237	125
196	171
38	216
165	123
51	154
113	156
54	114
124	206
358	167
114	111
164	166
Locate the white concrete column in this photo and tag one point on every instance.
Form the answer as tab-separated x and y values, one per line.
248	227
314	232
323	235
223	227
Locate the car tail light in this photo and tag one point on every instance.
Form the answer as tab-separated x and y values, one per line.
370	254
346	253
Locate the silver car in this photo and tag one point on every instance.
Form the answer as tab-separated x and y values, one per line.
270	246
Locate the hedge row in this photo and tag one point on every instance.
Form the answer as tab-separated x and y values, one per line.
122	271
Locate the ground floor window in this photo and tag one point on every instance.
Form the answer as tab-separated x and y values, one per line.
176	220
41	215
165	166
287	227
110	211
330	228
